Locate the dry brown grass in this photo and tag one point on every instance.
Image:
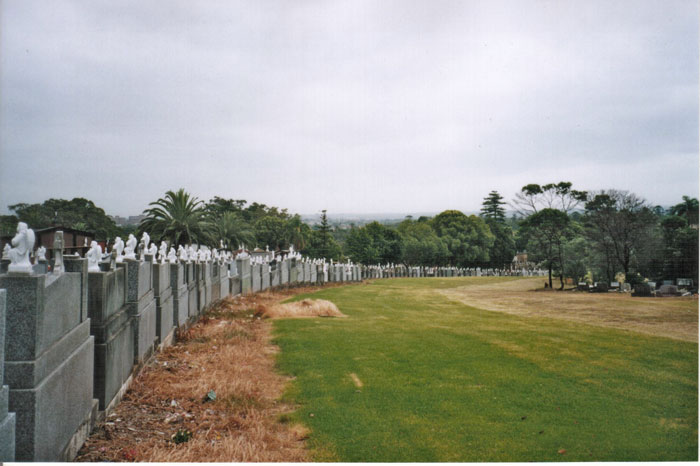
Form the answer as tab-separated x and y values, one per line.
669	317
228	351
303	308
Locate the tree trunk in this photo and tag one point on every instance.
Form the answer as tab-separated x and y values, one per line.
550	274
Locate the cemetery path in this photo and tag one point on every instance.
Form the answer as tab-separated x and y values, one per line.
215	390
675	317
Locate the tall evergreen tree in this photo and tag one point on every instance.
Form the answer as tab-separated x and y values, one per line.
492	207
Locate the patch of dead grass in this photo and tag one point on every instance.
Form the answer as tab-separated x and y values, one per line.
227	351
303	308
668	317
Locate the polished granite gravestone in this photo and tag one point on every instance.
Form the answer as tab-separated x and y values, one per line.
141	302
307	272
284	272
293	272
7	419
256	277
243	267
224	282
275	275
215	282
41	267
265	276
49	360
163	294
111	325
192	291
206	279
178	286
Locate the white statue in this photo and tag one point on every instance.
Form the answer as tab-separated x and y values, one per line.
143	245
130	249
145	239
41	254
201	256
191	254
162	252
181	254
6	251
172	256
118	247
23	243
94	255
153	250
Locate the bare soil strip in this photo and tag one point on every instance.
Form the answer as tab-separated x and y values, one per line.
216	388
667	317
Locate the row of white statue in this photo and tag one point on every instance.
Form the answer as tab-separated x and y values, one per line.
24	240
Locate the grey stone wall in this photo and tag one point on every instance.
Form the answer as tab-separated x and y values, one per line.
49	363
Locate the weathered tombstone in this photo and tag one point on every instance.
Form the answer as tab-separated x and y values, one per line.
275	275
224	283
265	276
293	272
110	324
163	293
178	286
668	290
142	306
207	279
192	290
243	266
215	282
49	357
284	272
600	287
256	277
7	419
642	290
625	287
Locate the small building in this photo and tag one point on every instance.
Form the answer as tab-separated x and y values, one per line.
73	240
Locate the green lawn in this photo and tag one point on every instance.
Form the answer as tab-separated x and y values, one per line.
446	382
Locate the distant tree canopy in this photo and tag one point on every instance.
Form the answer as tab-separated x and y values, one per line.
374	244
468	239
572	233
78	213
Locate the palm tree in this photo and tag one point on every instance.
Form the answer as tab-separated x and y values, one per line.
233	230
178	218
298	233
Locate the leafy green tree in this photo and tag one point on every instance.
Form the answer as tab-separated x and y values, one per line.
468	239
8	224
179	219
322	244
688	209
271	231
502	251
298	233
534	197
78	213
421	245
360	248
619	223
492	207
548	231
680	248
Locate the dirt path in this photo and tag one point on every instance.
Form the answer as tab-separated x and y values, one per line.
668	317
216	385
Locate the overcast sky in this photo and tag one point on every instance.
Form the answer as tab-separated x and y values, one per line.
350	106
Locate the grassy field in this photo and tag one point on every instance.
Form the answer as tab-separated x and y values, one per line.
414	373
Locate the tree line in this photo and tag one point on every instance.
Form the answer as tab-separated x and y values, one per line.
571	233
